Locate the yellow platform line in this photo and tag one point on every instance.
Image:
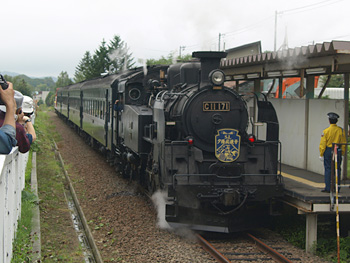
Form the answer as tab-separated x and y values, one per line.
303	181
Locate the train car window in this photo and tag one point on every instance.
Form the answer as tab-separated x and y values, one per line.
104	109
121	86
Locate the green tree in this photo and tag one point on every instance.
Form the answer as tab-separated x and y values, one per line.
100	61
169	60
63	80
119	57
109	58
83	70
21	85
42	87
50	99
336	81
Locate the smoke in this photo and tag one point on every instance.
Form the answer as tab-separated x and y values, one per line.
174	56
119	55
144	65
159	199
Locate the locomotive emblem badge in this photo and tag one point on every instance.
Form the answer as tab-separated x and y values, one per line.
227	145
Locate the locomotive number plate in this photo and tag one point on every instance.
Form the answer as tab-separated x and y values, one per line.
216	106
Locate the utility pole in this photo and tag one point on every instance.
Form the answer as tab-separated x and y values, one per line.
220	36
275	39
181	48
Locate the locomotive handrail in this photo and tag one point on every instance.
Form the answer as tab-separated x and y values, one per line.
159	93
150	99
162	97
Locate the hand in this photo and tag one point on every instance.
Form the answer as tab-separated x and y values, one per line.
321	158
8	96
21	117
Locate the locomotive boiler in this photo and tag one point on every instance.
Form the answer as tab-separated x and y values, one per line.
181	130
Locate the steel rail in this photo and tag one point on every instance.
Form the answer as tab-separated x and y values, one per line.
86	229
269	250
209	248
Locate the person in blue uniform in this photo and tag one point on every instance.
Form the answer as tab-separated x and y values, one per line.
333	134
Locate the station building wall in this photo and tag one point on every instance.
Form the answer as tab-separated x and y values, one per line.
301	125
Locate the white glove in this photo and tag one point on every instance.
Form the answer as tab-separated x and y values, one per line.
321	158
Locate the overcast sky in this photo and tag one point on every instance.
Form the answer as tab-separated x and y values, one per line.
43	38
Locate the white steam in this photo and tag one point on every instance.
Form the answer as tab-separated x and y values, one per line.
119	55
143	62
159	199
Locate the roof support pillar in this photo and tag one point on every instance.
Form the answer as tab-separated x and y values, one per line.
311	232
310	87
302	77
346	120
280	87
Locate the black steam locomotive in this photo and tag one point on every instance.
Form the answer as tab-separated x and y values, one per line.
179	129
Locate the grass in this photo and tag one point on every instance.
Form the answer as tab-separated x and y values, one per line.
292	227
58	238
22	246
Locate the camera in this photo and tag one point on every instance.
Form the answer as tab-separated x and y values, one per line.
4	85
3	82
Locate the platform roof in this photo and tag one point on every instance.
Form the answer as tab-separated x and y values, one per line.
319	59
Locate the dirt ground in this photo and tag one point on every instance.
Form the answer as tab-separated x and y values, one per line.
123	222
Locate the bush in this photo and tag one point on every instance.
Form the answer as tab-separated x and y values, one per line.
50	99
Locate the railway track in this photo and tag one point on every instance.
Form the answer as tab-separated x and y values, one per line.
245	248
87	243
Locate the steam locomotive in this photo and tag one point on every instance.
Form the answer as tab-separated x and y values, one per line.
179	129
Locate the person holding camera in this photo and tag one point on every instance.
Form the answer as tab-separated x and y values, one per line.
27	124
23	139
8	127
28	108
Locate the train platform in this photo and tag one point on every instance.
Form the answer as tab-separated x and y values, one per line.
305	187
303	191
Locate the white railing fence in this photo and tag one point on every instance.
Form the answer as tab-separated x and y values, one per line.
12	182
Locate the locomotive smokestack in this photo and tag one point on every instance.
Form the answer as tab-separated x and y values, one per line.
209	61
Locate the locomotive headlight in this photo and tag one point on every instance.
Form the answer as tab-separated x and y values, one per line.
217	77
